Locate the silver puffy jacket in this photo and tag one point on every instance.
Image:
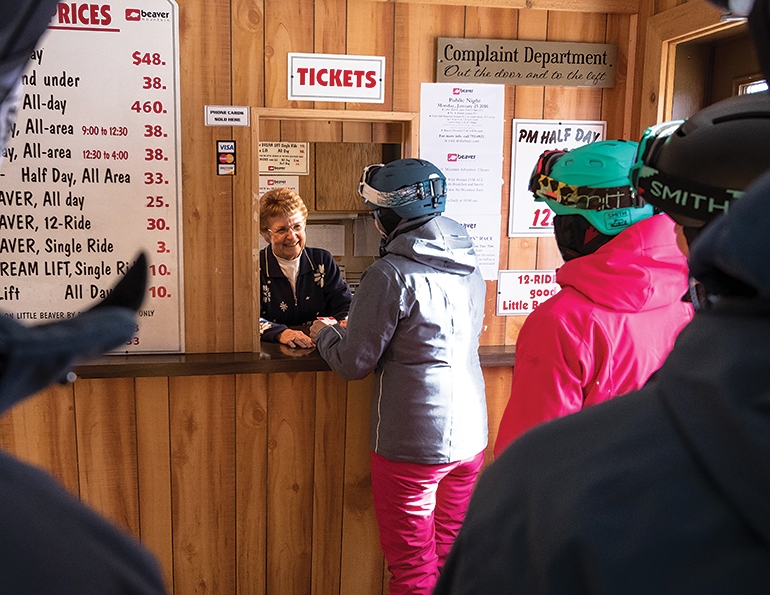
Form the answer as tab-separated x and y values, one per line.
415	320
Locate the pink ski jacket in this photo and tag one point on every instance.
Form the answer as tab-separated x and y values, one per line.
605	333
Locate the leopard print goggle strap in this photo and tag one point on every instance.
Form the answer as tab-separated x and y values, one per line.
579	197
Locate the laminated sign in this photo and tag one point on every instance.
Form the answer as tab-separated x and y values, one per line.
92	172
530	138
336	77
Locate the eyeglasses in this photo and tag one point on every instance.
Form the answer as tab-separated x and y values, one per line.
282	232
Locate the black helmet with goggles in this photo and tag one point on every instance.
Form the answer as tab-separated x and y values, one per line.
409	187
694	169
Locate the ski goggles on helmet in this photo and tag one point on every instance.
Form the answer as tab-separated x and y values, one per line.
649	146
543	186
688	202
433	188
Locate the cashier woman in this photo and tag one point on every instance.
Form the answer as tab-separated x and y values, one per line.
297	283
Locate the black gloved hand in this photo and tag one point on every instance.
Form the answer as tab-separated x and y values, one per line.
129	291
33	357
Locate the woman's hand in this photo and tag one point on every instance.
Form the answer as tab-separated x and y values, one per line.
294	338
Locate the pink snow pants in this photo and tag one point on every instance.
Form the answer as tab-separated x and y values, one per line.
420	509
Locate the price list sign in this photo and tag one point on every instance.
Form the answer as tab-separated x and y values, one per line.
92	173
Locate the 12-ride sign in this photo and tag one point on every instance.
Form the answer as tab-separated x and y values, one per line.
336	77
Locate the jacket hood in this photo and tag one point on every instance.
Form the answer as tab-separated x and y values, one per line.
439	242
619	274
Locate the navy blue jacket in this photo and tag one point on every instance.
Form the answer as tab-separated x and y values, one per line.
52	543
320	292
665	490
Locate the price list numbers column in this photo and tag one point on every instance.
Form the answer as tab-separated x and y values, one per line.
92	173
159	175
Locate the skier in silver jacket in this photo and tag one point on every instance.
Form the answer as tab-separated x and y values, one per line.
415	322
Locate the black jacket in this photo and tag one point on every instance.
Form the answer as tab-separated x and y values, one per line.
666	490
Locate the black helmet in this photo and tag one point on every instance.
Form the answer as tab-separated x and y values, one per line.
409	187
694	169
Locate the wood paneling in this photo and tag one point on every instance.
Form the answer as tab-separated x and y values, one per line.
617	101
619	6
240	485
107	453
576	103
247	57
153	452
41	431
208	226
370	32
341	165
203	503
663	32
328	482
290	439
288	28
251	483
417	27
330	17
362	564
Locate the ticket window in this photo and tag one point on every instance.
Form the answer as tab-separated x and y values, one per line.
340	144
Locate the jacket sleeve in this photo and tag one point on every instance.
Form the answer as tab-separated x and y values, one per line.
353	353
548	376
269	331
336	291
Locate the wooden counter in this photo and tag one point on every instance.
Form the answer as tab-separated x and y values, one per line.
245	474
273	358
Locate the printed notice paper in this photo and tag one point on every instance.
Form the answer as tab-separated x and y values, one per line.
461	132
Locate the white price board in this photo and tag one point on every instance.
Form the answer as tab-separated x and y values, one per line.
520	292
92	173
530	138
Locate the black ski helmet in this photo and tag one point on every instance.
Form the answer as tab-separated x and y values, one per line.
694	169
409	187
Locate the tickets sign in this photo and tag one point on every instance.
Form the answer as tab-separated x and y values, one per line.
336	77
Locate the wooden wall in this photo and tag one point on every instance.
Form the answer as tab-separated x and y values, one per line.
260	483
234	52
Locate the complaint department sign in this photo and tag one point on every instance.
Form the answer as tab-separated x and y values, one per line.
534	63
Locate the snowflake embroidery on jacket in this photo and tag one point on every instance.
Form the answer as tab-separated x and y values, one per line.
264	325
283	306
318	276
266	293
